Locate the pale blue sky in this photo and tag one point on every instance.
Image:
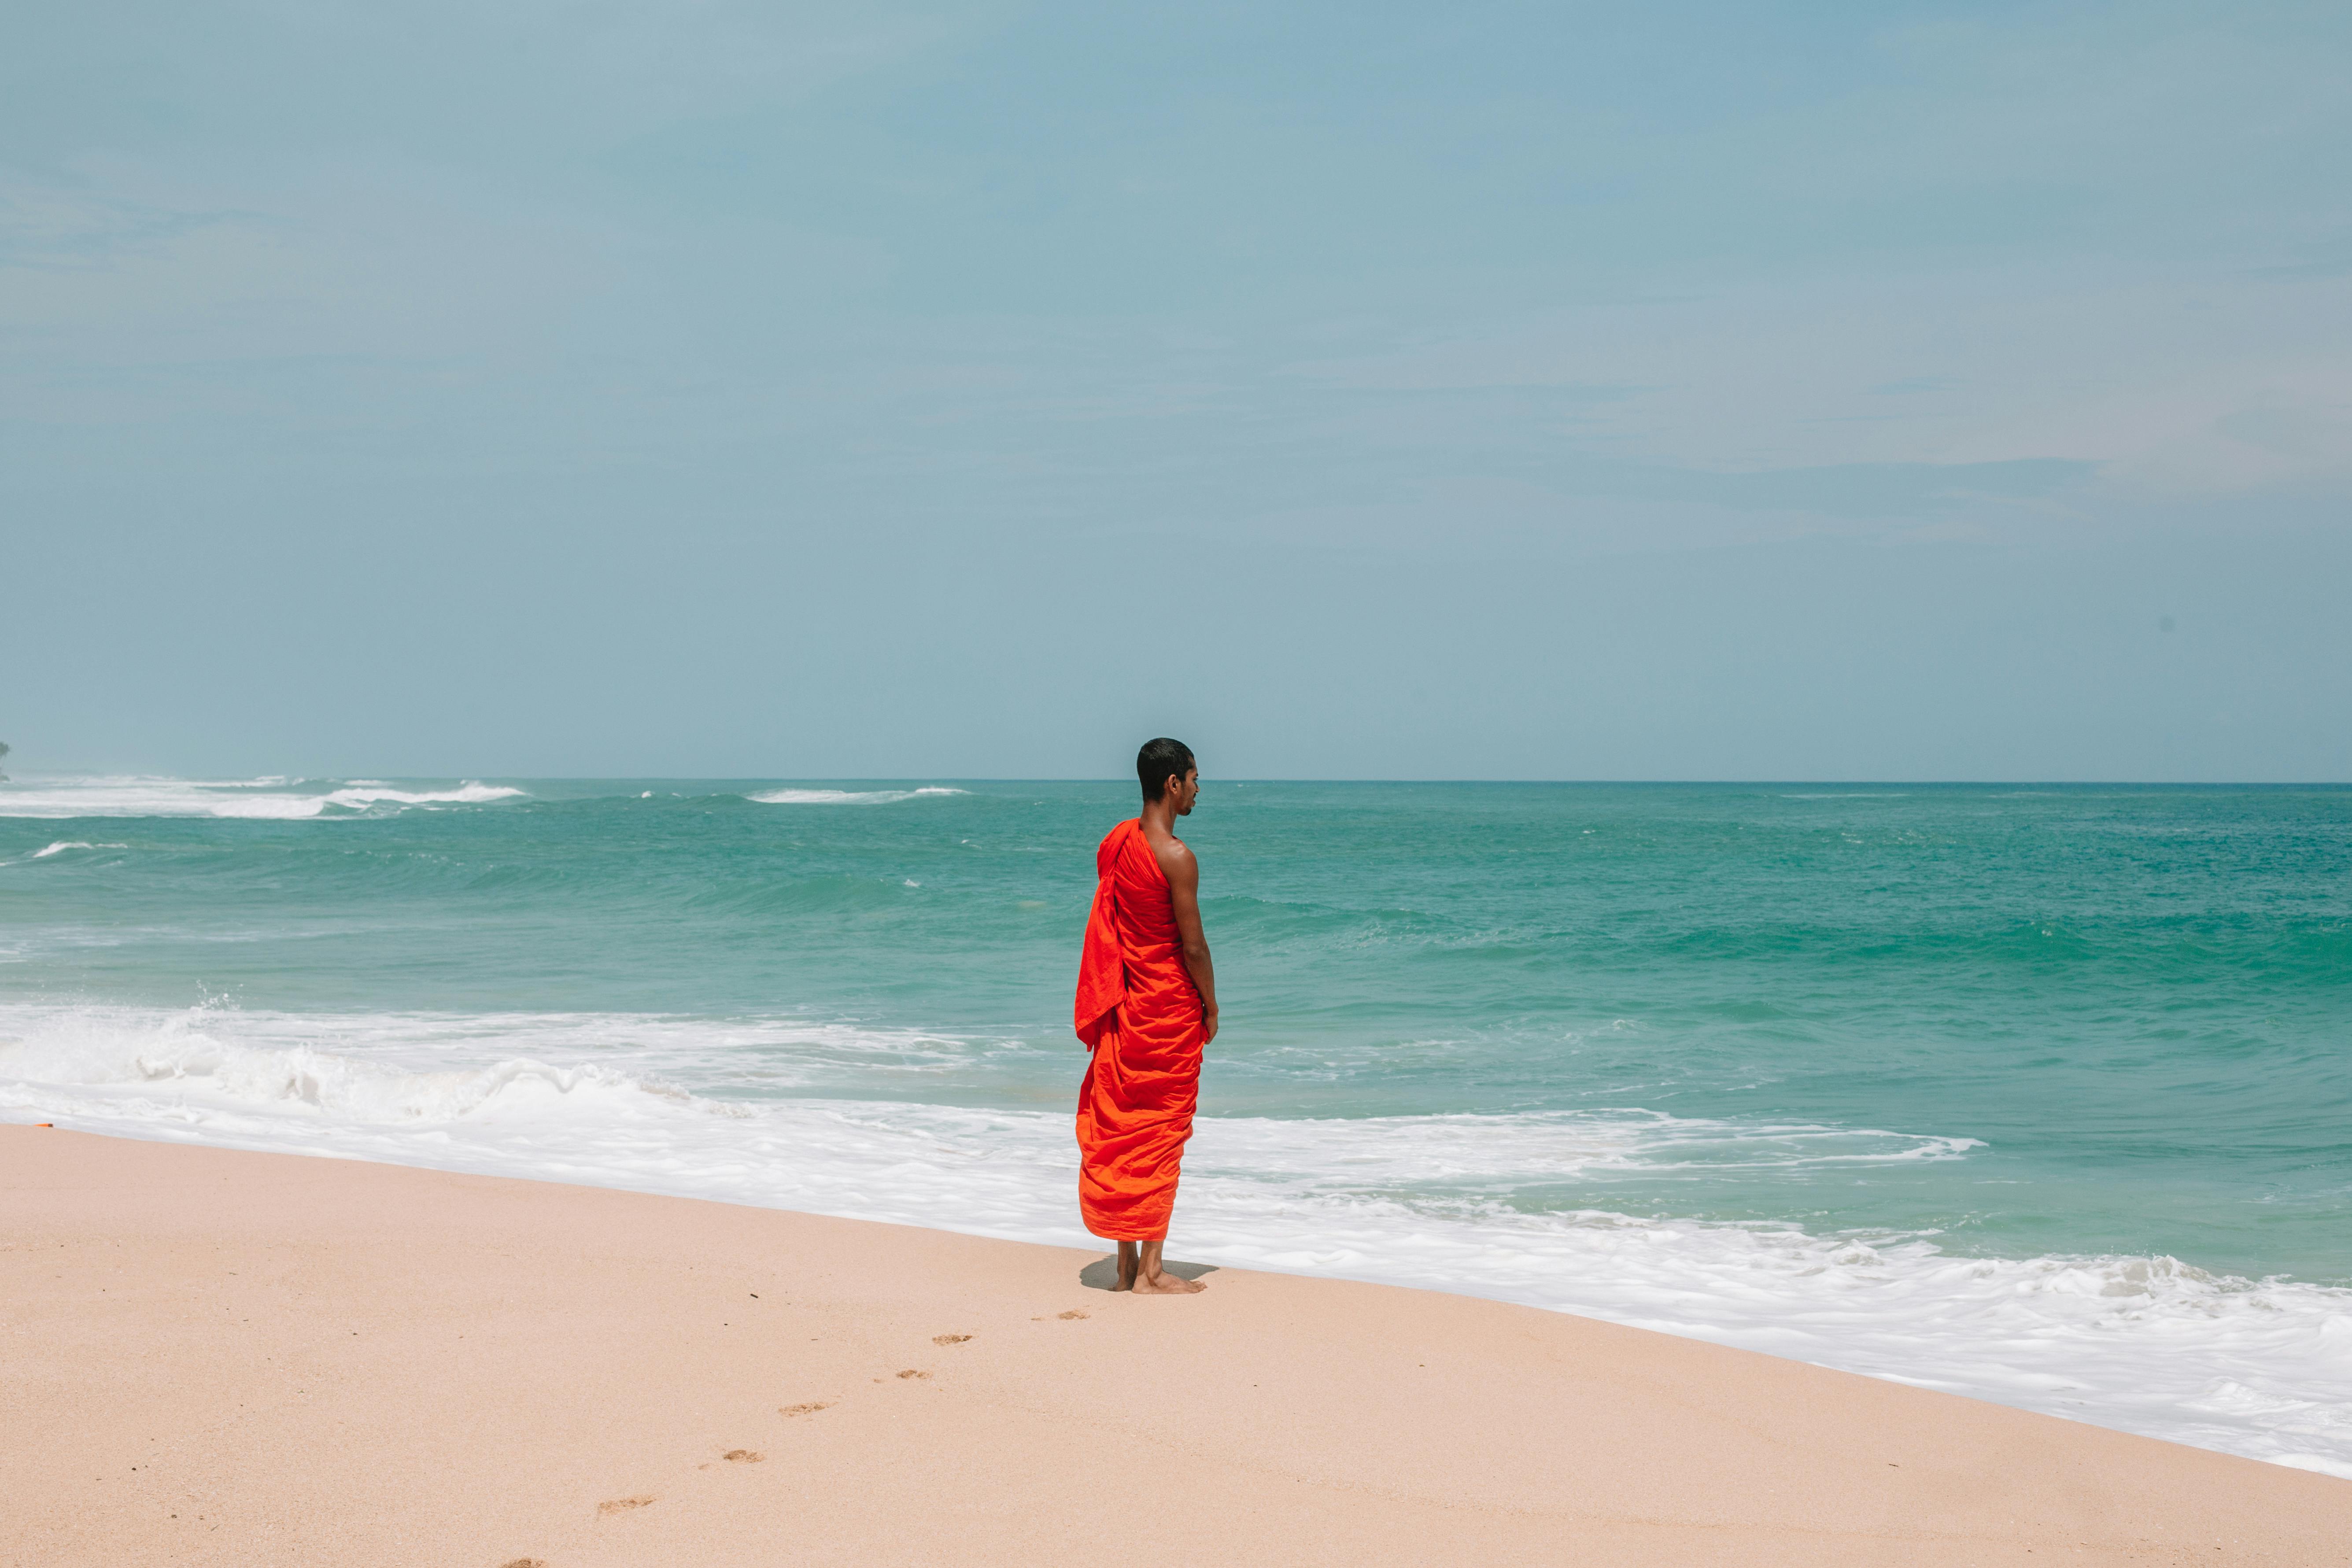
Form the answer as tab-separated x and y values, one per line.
1702	391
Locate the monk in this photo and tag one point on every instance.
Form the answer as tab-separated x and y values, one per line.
1147	1004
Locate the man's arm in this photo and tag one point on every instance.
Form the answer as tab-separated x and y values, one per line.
1184	892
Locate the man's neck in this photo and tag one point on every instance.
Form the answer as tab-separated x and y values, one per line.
1159	817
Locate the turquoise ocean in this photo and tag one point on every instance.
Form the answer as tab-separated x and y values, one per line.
2038	1094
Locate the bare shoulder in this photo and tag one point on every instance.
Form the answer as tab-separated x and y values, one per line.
1176	862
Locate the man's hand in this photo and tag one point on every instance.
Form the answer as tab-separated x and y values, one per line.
1208	1025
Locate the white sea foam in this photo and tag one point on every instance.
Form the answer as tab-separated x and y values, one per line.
60	848
847	796
2262	1368
266	798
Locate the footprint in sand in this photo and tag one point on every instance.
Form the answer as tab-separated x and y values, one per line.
910	1372
526	1563
806	1409
949	1339
1073	1312
620	1505
743	1457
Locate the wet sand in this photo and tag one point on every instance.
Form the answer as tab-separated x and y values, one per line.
209	1357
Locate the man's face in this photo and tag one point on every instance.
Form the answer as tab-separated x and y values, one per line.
1187	792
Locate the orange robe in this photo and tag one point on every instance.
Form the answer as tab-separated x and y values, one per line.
1140	1013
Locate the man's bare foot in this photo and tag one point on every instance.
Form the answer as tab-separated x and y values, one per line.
1139	1271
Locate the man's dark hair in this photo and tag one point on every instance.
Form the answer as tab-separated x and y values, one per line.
1160	761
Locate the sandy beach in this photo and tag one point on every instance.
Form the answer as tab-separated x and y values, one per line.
216	1357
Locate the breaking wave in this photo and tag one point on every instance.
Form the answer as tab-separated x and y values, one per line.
2258	1367
270	799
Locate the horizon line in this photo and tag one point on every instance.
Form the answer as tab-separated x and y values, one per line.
294	778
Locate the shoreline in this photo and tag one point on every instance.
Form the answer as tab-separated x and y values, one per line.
2139	1344
312	1359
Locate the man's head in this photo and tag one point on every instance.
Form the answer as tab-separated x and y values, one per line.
1164	765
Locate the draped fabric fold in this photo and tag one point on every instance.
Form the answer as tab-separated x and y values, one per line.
1138	1010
